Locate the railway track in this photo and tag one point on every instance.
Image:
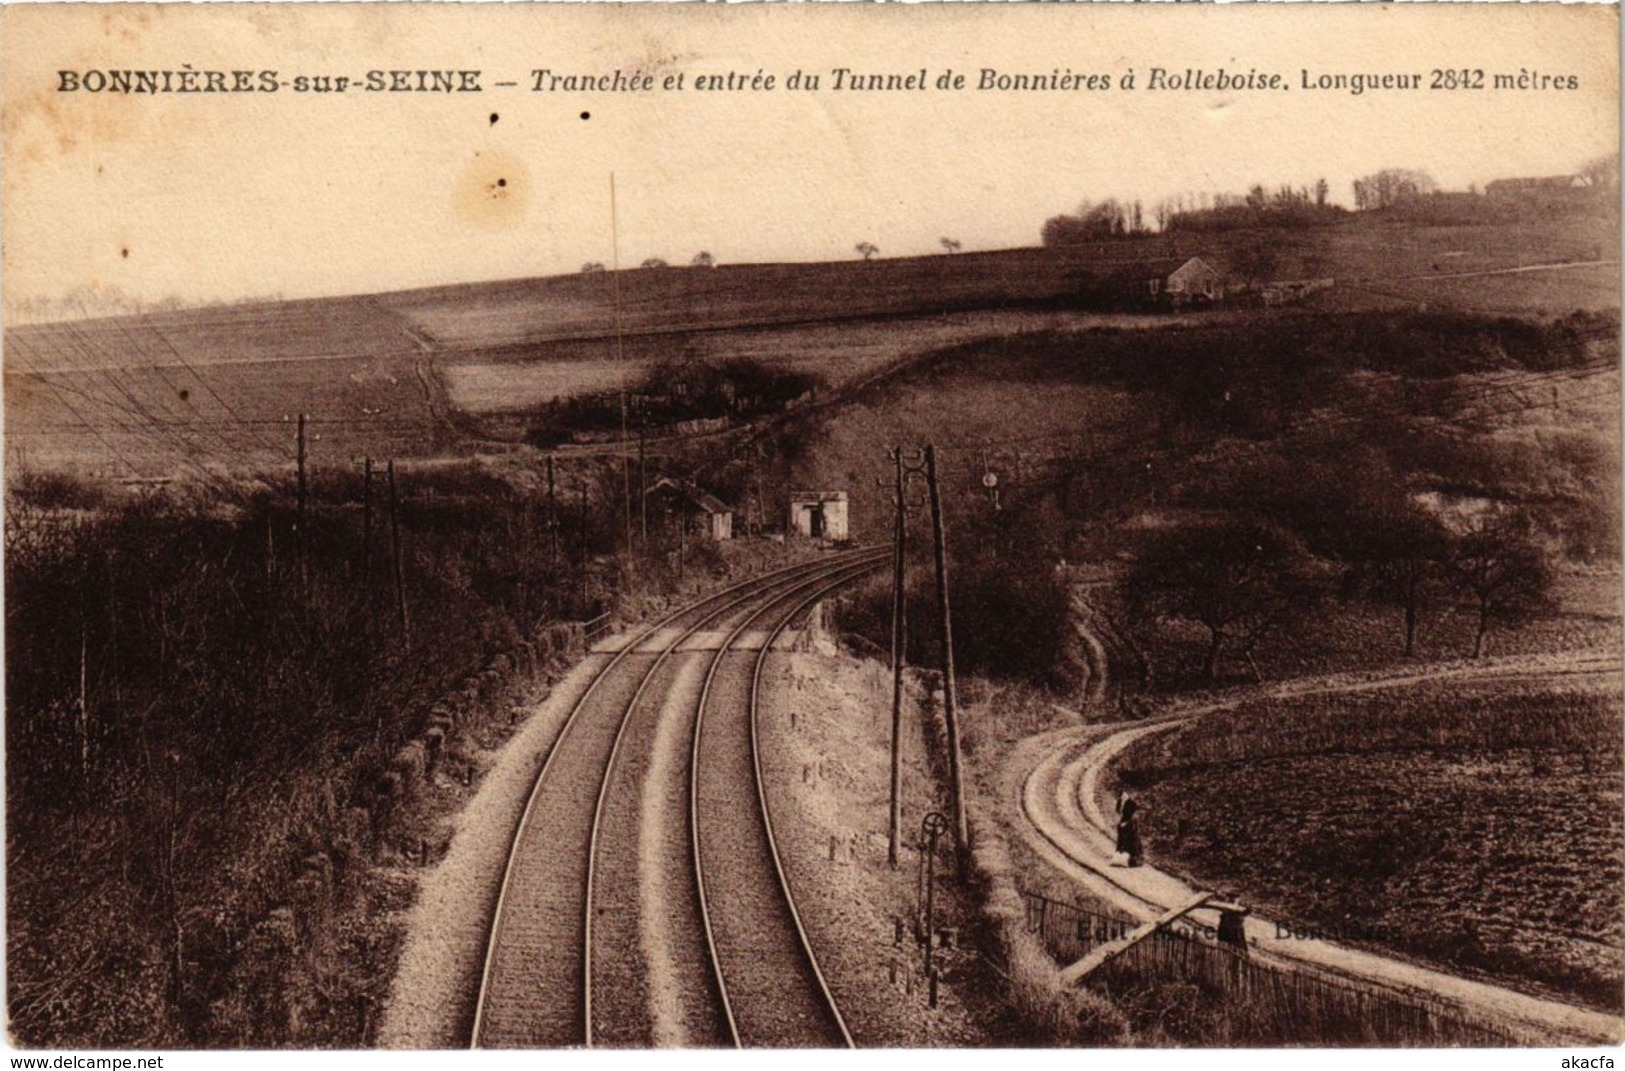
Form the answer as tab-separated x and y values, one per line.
773	992
570	932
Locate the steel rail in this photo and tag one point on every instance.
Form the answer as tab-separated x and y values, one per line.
767	813
620	737
734	593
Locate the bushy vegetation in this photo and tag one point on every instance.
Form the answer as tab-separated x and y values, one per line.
1291	472
1264	484
35	489
1285	207
1292	215
1009	608
1051	1012
674	390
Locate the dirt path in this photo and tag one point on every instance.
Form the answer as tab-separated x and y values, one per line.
1063	818
1555	266
1094	649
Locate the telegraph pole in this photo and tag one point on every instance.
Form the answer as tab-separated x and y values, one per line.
84	696
395	551
366	527
643	490
552	518
950	706
300	542
582	571
620	360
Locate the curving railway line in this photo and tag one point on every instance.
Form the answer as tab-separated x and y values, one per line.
643	901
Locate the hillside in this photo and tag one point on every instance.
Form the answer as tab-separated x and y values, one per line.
149	395
1110	425
454	368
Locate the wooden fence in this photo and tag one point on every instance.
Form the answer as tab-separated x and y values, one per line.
1250	1002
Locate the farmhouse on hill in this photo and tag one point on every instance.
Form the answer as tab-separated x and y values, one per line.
1503	187
1193	282
686	508
1160	282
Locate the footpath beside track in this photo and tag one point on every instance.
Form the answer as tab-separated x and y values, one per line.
1063	819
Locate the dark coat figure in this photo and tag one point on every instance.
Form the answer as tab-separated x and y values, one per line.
1128	830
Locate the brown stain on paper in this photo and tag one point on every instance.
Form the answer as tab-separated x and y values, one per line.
41	125
493	191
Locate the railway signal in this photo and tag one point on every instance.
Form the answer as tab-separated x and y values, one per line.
932	827
990	482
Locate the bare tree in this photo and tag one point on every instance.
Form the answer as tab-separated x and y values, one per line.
1390	186
950	245
1238	580
702	259
866	250
1501	567
1406	551
1256	261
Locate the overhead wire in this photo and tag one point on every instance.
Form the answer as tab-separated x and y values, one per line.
144	423
93	428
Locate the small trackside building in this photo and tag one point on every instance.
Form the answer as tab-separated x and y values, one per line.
675	503
819	515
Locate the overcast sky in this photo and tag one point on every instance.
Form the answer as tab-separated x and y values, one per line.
207	196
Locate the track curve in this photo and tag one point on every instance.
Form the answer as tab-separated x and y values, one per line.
778	994
536	988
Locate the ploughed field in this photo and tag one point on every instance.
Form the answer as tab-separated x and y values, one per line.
1476	827
397	373
190	392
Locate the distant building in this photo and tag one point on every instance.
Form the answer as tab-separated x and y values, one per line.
670	503
1505	187
1193	282
1160	282
819	515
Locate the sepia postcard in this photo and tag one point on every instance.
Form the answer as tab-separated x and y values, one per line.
816	526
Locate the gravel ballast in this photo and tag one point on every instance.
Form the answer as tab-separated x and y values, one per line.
431	1002
825	735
